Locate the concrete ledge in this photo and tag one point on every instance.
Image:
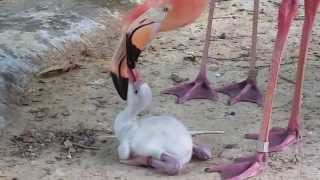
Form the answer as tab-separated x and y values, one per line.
33	34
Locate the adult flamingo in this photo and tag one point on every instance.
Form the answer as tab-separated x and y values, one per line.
152	17
141	26
277	139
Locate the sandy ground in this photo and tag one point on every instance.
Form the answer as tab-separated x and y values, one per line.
62	132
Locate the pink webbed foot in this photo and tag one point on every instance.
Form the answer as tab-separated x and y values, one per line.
245	91
279	138
197	89
242	168
202	152
166	164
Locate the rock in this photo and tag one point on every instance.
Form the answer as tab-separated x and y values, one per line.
41	36
37	110
190	58
105	138
41	114
242	55
58	158
53	115
69	156
41	81
241	10
222	36
155	73
67	144
181	47
65	112
211	109
177	79
231	146
50	162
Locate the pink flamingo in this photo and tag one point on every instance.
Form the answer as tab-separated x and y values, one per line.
162	15
277	139
171	15
141	26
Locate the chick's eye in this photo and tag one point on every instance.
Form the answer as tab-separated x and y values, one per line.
136	91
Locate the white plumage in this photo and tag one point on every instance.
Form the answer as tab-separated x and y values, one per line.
150	136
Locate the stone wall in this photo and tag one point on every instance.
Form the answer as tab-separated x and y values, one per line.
35	33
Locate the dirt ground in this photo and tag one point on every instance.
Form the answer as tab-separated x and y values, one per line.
64	128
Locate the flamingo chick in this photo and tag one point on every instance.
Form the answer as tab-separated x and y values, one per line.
161	142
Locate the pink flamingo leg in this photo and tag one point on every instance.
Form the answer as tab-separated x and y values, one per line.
252	166
247	90
200	88
281	138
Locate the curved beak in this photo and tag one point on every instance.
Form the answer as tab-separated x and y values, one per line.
138	35
121	85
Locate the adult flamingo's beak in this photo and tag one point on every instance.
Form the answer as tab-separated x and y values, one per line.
138	34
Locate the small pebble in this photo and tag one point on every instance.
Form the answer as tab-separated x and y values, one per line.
103	138
218	74
177	79
69	156
222	36
50	162
155	73
65	112
53	115
58	158
67	144
190	58
231	146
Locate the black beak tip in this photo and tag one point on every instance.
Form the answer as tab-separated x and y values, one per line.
121	85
